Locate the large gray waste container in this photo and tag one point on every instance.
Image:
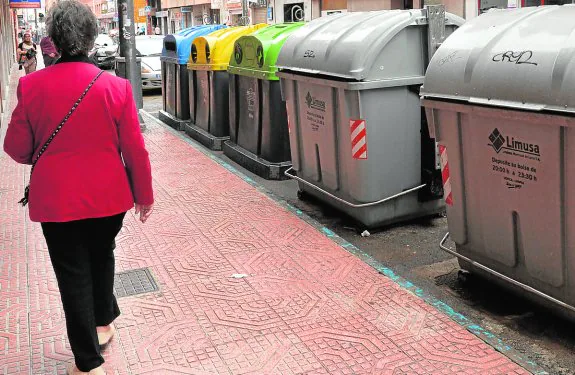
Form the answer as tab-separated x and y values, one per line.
500	100
351	84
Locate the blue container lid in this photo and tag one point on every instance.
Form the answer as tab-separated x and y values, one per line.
177	46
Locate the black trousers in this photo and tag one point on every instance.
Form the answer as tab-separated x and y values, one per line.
49	60
82	254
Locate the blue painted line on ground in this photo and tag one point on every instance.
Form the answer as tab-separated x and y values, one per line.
459	318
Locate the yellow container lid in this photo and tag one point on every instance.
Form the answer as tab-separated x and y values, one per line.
213	51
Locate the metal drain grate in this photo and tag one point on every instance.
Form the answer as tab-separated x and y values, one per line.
134	282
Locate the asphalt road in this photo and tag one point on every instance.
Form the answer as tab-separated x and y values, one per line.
412	251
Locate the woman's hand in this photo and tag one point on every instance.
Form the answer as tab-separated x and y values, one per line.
144	210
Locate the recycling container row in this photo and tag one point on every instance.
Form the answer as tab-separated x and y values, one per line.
208	85
494	137
500	100
175	91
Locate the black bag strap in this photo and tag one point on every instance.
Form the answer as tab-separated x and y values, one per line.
24	201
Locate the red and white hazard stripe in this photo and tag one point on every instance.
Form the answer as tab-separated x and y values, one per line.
358	139
445	175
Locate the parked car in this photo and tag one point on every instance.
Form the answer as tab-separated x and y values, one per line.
149	49
104	51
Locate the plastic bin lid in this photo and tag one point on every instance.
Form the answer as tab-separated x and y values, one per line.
522	58
213	51
255	55
177	46
360	45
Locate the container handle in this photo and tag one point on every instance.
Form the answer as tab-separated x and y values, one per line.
361	205
506	278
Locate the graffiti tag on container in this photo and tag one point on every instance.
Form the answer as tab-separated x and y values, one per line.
251	99
449	58
515	57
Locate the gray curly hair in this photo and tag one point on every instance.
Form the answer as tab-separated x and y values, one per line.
72	26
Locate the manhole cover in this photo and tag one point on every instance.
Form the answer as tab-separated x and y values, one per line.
134	282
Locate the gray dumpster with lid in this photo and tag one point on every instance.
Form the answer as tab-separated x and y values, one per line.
500	100
351	84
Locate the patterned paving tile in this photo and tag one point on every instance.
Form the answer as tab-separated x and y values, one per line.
246	287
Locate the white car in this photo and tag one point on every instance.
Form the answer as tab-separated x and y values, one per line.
104	51
149	49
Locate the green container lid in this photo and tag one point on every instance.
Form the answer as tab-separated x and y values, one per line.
255	55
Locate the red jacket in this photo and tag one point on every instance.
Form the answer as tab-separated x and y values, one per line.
97	165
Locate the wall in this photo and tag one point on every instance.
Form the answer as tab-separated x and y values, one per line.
456	7
167	4
7	52
462	8
367	5
137	5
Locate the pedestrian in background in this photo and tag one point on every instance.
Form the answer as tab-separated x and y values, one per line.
27	54
49	51
79	128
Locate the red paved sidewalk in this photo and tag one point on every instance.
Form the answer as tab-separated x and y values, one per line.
306	306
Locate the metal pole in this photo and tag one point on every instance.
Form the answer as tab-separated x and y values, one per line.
245	9
127	31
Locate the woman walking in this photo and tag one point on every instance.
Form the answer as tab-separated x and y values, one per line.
49	51
89	167
27	54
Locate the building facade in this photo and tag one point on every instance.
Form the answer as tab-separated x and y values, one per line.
8	27
107	16
175	15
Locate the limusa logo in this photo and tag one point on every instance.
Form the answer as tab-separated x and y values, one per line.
314	103
500	142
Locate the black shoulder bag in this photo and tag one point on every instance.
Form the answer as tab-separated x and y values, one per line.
24	201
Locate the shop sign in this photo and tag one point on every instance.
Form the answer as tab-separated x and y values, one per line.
234	4
25	4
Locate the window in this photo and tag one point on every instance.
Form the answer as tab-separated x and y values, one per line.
294	12
559	2
536	3
485	5
215	16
